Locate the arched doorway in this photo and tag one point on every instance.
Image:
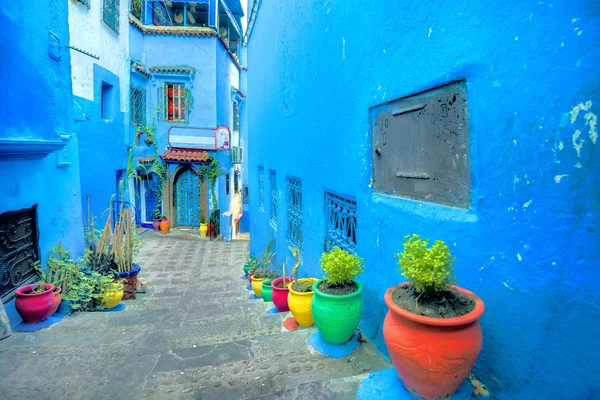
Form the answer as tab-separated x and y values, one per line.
189	197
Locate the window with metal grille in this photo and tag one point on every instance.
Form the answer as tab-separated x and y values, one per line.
294	208
273	209
236	116
245	197
175	102
85	3
110	14
236	182
227	184
261	188
340	216
137	104
135	8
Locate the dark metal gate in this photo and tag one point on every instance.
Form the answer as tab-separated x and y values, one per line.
19	249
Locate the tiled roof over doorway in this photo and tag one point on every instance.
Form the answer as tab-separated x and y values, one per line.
185	155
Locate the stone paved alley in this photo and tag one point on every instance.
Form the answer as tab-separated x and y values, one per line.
195	334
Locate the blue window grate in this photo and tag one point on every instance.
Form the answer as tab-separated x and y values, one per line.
261	188
85	3
137	105
294	207
110	14
273	209
245	197
340	216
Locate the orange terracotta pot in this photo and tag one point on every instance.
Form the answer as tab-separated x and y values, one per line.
165	225
432	356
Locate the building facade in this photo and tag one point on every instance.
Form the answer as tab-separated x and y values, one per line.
373	122
186	98
40	204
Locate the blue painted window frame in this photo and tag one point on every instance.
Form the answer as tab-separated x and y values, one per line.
341	222
273	209
294	208
110	14
177	98
261	188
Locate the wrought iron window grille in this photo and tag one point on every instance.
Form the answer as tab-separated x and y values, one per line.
227	184
294	208
245	195
340	217
138	105
175	102
273	209
110	14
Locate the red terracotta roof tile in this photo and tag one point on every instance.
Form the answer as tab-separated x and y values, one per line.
239	91
189	155
145	160
179	69
141	70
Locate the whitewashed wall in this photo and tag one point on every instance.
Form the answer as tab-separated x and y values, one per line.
88	32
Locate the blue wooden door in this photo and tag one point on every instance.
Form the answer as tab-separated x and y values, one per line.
186	198
150	182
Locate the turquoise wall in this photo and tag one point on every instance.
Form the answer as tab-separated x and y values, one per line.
529	243
37	104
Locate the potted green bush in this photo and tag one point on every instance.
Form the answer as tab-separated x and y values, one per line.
431	330
156	219
262	270
337	304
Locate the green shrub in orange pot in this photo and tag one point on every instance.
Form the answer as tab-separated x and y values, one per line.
431	329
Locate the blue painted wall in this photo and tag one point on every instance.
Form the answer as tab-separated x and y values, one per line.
38	103
102	149
529	243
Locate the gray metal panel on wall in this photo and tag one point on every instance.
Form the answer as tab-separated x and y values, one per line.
420	146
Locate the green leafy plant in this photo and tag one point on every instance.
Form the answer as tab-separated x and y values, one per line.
156	213
263	264
213	171
39	288
59	270
429	269
87	289
340	266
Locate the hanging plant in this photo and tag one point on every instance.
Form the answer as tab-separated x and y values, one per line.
148	140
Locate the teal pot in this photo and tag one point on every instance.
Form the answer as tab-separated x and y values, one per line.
337	317
267	290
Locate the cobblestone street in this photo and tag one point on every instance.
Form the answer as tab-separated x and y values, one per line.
195	334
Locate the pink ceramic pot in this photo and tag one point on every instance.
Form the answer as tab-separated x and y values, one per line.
34	307
280	295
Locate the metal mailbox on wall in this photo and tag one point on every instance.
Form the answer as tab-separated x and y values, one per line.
421	146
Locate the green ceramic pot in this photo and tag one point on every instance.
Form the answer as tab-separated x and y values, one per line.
337	317
267	290
247	267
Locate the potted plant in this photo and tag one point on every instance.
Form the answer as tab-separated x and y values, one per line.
262	270
165	225
58	273
300	296
156	216
203	227
431	330
337	304
280	291
35	302
112	294
248	265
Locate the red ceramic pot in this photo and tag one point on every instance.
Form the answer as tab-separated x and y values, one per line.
280	295
57	299
432	356
34	307
156	225
250	276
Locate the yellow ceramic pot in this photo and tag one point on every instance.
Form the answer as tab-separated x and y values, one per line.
203	230
301	303
113	296
257	286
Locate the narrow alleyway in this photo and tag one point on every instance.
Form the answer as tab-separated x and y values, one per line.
195	334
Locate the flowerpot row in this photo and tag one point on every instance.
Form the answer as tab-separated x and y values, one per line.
432	355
